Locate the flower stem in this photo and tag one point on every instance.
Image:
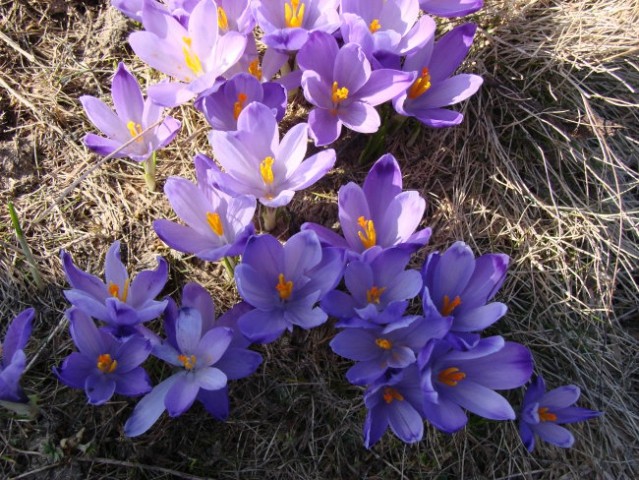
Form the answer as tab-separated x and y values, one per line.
269	215
229	265
149	172
24	245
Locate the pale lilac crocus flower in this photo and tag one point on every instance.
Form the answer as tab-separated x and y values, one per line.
451	8
13	361
180	9
258	164
133	114
195	56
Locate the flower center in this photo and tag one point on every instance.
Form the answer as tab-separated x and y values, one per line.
391	394
375	25
451	376
368	236
215	222
545	415
266	170
135	129
106	364
239	105
190	58
114	290
374	293
338	95
187	361
449	306
284	288
222	19
255	70
294	13
421	85
384	343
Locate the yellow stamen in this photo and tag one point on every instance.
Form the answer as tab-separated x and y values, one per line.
215	223
106	364
451	376
135	129
188	362
239	105
391	394
449	306
266	170
374	293
222	19
190	58
114	290
384	343
294	14
368	237
284	288
545	415
375	25
338	95
421	85
255	70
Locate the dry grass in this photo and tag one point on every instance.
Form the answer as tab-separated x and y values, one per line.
544	169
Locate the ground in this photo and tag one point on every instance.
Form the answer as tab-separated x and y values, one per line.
544	168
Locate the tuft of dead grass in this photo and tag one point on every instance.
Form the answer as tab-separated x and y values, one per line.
544	169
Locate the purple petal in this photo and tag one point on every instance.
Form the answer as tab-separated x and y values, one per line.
450	91
352	70
133	383
149	409
308	58
81	280
375	425
437	117
127	96
303	316
170	94
148	284
292	149
450	51
383	85
188	330
196	296
355	344
181	395
338	304
104	146
213	345
210	378
114	270
85	334
575	414
527	436
104	118
311	170
316	90
489	275
301	253
325	127
510	367
86	303
255	288
448	8
352	204
445	415
479	318
131	353
561	397
265	252
327	237
216	402
554	434
17	334
405	421
238	363
480	400
75	369
365	373
262	326
360	117
99	388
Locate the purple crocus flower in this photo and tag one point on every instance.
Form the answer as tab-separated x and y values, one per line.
195	56
340	84
121	303
133	115
12	358
543	412
378	289
453	380
218	225
284	284
258	164
379	214
434	87
451	8
460	286
223	107
103	365
235	16
195	352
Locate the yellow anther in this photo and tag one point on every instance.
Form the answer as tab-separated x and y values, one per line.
368	236
239	105
255	70
188	362
190	58
294	13
222	19
421	85
284	288
545	415
451	376
215	222
384	343
391	394
135	129
266	170
449	306
374	25
106	364
338	95
114	290
374	293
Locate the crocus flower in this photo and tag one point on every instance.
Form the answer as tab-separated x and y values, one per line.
194	352
196	56
122	303
12	358
103	365
378	289
543	412
133	115
460	286
434	87
284	284
235	16
453	380
223	107
379	214
258	164
218	225
340	84
451	8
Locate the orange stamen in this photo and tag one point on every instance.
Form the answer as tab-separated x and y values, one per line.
106	364
255	70
338	95
545	415
384	343
374	293
215	222
114	290
375	25
239	105
188	362
222	19
421	85
294	13
368	237
391	394
451	376
284	288
266	170
449	306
